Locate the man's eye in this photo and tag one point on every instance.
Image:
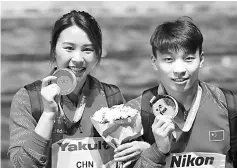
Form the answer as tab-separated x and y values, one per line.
168	59
189	58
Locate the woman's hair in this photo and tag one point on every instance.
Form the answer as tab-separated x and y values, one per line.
84	21
181	34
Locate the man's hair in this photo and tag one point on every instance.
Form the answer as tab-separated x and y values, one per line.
181	34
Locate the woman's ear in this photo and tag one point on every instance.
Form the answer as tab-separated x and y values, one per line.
201	59
95	65
104	53
153	62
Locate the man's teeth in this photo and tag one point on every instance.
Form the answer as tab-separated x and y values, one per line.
179	80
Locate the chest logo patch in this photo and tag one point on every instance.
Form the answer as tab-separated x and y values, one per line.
217	135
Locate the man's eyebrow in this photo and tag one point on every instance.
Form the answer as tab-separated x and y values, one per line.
167	54
189	54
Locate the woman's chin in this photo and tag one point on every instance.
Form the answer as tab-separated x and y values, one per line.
81	76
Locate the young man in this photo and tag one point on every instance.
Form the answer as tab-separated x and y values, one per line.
199	135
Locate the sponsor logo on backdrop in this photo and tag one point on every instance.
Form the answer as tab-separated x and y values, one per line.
195	160
189	160
83	146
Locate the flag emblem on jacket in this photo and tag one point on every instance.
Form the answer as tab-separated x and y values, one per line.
217	135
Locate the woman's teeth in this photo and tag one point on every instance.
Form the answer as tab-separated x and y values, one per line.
77	70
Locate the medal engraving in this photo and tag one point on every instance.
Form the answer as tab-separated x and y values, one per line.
66	80
165	105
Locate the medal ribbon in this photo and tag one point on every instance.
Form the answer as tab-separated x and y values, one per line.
80	109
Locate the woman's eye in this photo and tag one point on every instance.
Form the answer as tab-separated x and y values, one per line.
69	48
88	49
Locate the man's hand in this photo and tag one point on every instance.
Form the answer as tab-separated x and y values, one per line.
129	152
162	129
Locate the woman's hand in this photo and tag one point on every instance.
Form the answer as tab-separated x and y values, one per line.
129	152
162	129
49	92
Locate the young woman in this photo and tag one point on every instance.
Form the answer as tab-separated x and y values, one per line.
76	45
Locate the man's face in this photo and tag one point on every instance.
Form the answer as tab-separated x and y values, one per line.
178	71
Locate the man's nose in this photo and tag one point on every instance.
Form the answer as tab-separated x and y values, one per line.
179	68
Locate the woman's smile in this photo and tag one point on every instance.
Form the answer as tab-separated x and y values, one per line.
76	70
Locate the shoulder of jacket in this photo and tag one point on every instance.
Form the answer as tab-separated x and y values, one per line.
215	93
150	89
21	98
36	85
101	84
21	93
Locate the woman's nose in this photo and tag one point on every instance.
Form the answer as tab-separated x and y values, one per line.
77	56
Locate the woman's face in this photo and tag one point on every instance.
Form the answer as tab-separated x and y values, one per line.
75	51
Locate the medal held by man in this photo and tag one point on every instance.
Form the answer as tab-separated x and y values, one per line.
164	105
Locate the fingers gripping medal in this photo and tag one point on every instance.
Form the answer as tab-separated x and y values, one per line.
164	105
66	80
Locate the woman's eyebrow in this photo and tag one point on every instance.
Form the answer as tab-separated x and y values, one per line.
88	45
70	43
84	45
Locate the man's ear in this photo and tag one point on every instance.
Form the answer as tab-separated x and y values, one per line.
153	62
201	59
